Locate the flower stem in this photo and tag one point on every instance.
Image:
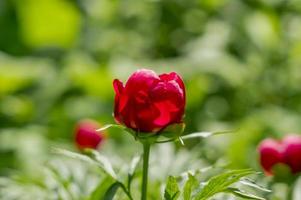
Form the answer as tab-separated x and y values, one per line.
290	192
146	150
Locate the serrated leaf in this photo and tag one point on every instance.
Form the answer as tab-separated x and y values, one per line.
221	182
110	193
96	159
189	186
243	194
204	134
74	155
172	191
103	161
253	184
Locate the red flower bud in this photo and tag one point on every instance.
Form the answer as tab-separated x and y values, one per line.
149	102
271	153
287	151
292	152
86	135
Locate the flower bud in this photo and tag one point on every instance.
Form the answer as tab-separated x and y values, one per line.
292	152
149	102
270	152
86	135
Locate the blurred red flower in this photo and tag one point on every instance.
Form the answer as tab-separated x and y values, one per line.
286	151
292	152
86	135
271	153
149	102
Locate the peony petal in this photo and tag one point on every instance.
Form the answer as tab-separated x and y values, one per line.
173	76
141	80
118	86
148	102
169	100
119	99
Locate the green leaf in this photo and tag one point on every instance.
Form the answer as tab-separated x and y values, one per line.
63	184
74	155
172	191
100	190
221	182
173	130
189	186
103	161
110	126
134	163
110	193
203	134
253	184
95	159
240	193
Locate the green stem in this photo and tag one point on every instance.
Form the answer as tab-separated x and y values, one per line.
126	191
146	150
290	192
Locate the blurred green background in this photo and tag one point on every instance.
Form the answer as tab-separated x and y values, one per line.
240	60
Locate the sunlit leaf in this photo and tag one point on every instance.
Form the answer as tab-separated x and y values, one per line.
203	134
221	182
103	161
253	184
243	194
189	186
110	126
172	191
96	159
134	164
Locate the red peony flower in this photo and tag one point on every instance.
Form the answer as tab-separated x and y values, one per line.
149	102
86	135
271	153
287	151
292	152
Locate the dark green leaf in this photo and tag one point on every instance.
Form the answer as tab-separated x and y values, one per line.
100	190
110	193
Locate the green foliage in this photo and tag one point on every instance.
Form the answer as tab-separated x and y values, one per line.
172	191
239	193
221	182
190	185
240	61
